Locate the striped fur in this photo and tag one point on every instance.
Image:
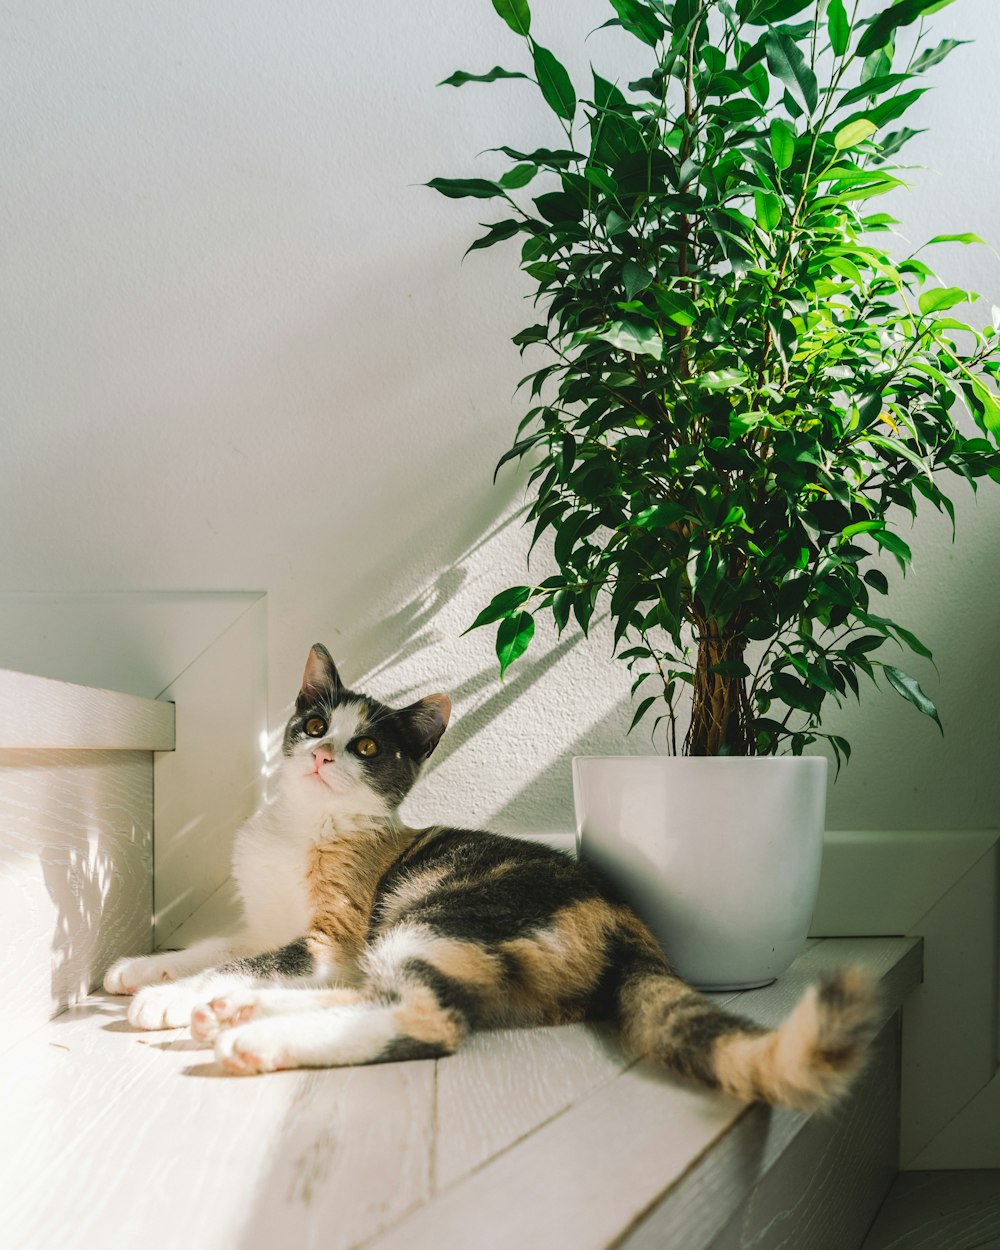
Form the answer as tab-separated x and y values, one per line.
411	938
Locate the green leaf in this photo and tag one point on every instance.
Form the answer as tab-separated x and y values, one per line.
681	309
853	133
942	297
785	60
910	690
768	210
554	82
782	143
897	447
641	711
561	605
895	106
515	13
517	451
659	516
633	337
955	238
497	233
460	77
639	20
635	278
464	188
513	636
891	144
912	641
878	581
892	542
500	605
838	26
903	13
862	527
519	176
873	87
933	55
991	407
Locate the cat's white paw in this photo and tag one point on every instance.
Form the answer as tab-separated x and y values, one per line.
254	1048
163	1006
126	976
209	1019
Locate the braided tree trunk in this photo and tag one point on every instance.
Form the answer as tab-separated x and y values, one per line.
720	715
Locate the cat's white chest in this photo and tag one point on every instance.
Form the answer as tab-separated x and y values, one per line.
270	872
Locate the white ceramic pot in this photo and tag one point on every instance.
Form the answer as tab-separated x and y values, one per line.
720	856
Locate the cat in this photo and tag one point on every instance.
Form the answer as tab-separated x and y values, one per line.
365	941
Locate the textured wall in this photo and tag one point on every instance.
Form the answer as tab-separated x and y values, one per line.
240	352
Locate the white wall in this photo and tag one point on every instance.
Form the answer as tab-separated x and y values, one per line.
240	352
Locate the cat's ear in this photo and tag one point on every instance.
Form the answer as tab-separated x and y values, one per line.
321	679
428	720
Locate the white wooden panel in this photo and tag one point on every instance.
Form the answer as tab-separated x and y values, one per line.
500	1086
811	1184
137	1137
138	641
590	1174
941	886
939	1211
140	1138
41	712
214	778
971	1140
921	865
75	875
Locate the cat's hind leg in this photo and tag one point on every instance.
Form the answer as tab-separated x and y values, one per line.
240	1006
366	1031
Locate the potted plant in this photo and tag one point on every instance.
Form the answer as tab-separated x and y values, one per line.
744	388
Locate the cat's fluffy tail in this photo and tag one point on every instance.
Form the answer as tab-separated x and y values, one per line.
807	1062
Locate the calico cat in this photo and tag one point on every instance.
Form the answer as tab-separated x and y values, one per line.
365	941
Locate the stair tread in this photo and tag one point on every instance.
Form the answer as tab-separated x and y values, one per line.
41	712
107	1127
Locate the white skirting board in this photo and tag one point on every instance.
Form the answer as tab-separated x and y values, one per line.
941	886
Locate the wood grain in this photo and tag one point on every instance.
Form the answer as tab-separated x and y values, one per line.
153	1141
44	713
75	875
939	1211
818	1181
534	1138
501	1086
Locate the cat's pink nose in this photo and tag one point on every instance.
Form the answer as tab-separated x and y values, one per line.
322	755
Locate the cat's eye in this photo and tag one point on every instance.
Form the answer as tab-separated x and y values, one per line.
365	746
315	726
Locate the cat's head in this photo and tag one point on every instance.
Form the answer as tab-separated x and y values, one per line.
350	754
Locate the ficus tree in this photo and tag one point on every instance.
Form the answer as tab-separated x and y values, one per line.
744	388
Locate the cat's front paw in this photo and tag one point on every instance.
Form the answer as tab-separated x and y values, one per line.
128	976
209	1019
254	1048
163	1006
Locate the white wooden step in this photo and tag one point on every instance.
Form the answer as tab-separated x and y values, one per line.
542	1138
76	810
